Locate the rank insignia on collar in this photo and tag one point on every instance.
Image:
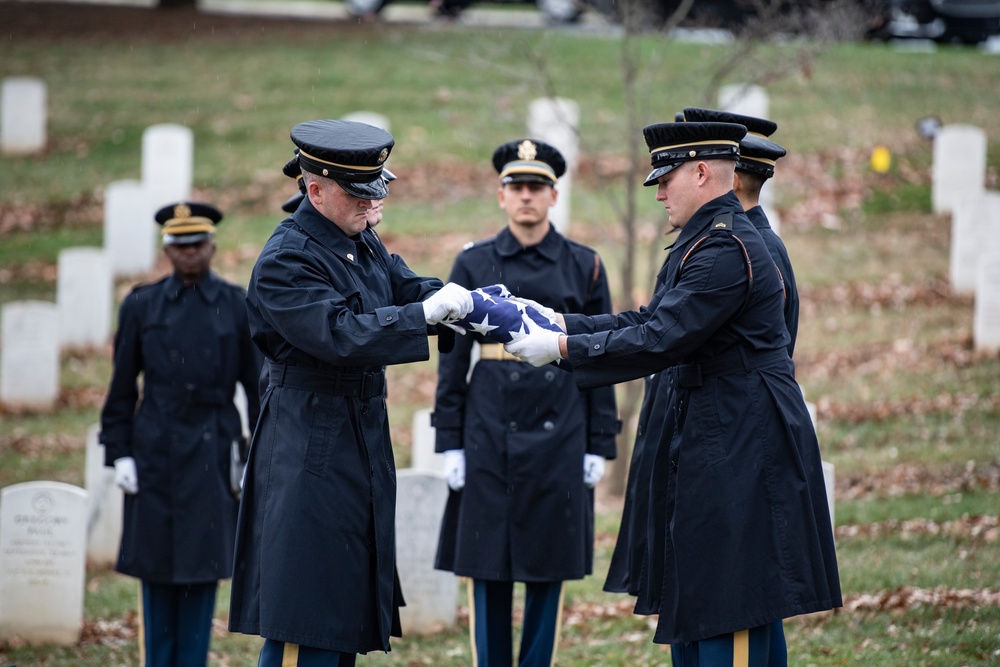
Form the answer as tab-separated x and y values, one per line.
350	257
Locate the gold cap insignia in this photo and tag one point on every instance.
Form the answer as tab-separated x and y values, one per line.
326	172
692	153
182	211
383	155
526	150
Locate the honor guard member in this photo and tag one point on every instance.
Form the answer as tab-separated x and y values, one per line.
292	170
330	307
758	154
738	535
523	446
172	443
754	166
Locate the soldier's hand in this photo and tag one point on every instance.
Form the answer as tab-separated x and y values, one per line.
126	476
544	311
593	469
450	303
454	469
538	347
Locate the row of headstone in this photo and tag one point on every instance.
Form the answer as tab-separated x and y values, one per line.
958	188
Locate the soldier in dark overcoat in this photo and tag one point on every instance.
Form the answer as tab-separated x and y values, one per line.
330	307
172	443
738	534
755	165
525	437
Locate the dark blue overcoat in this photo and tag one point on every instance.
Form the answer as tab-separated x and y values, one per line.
738	532
315	550
776	247
525	513
191	345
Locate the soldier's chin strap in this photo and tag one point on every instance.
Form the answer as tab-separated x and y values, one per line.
725	221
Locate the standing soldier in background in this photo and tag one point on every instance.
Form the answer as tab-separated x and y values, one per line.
330	307
523	446
172	448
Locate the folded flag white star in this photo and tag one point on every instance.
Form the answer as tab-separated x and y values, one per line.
499	318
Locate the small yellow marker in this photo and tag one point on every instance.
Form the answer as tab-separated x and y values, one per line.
881	159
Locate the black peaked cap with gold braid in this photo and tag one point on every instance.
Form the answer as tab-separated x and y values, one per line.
758	153
351	153
672	144
187	222
528	161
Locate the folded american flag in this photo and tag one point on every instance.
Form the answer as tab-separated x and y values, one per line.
499	318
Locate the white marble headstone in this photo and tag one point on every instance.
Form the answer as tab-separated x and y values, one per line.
959	168
29	354
85	294
986	327
975	220
430	594
556	121
22	115
745	99
43	535
369	118
167	164
130	233
104	519
422	455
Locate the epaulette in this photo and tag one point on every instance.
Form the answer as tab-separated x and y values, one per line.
723	221
468	245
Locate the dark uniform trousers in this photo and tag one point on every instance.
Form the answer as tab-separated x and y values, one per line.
491	605
283	654
763	646
176	624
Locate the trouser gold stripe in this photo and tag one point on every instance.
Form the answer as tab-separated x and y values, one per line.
472	620
290	655
741	648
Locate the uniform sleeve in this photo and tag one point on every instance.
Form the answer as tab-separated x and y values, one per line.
711	289
123	393
295	296
602	411
452	386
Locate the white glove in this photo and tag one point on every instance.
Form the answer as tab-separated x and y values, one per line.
538	347
454	469
126	476
593	469
450	303
545	311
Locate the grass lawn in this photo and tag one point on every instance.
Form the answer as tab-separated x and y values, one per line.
907	411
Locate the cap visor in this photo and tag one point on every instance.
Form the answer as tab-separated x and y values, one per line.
376	189
527	178
654	176
185	239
